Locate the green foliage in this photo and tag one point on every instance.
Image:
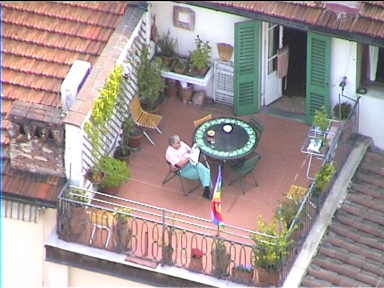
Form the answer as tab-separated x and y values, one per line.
341	111
167	45
324	175
200	56
149	78
269	252
287	210
320	119
103	108
77	194
123	213
116	171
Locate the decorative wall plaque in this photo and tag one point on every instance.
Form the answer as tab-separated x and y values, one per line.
184	17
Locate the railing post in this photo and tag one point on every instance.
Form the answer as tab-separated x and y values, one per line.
162	235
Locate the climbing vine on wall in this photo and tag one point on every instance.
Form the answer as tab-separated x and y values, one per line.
102	109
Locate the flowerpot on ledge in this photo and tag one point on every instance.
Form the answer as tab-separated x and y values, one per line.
196	264
266	277
242	275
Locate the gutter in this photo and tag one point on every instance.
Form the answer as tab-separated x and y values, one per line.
361	38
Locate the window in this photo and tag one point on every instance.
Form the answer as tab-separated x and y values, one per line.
370	65
273	45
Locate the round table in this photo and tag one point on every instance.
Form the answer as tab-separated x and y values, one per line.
237	144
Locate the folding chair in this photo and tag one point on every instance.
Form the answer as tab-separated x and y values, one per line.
259	128
173	172
100	221
202	120
143	118
245	169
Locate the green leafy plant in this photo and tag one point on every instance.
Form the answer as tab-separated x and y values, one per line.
324	175
199	57
341	111
116	171
77	194
270	251
320	119
102	109
167	45
123	212
150	82
244	268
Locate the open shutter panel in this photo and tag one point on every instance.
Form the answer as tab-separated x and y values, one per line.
318	69
247	55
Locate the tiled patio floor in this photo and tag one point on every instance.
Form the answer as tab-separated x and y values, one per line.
281	166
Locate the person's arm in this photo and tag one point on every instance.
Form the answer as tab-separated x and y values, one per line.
185	158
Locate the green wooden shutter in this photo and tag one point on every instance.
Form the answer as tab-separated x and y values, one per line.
318	73
247	57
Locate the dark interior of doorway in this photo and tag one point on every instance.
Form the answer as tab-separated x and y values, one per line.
297	43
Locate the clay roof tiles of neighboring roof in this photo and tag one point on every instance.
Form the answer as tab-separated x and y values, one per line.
352	252
41	40
366	19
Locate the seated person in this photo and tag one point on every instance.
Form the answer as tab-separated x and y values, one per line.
178	155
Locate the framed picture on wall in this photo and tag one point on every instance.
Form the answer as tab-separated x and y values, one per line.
183	17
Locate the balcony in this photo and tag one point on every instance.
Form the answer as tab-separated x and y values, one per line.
156	228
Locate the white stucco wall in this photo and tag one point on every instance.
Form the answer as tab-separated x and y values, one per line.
371	115
23	251
209	25
72	156
343	63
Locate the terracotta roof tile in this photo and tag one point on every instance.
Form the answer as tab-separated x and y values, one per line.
353	248
42	39
368	19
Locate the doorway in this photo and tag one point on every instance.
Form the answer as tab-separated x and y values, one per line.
294	85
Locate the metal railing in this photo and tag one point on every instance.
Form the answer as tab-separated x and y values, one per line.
340	147
158	235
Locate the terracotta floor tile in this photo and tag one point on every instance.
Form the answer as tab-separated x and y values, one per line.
282	165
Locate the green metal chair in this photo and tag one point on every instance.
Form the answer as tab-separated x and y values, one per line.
259	128
175	172
246	168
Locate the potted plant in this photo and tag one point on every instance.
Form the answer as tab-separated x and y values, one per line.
242	273
167	46
321	121
323	177
122	151
167	248
269	251
342	111
220	258
199	58
196	263
123	232
79	195
132	134
150	82
116	172
179	66
95	175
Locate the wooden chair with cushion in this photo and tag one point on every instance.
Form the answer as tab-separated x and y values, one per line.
143	118
202	120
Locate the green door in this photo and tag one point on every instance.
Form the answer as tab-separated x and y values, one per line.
318	73
247	67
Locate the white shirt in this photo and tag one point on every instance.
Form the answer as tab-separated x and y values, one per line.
174	156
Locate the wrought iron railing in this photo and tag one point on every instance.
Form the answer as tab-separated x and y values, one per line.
154	234
339	149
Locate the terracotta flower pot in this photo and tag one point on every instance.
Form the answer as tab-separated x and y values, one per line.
186	94
242	276
267	277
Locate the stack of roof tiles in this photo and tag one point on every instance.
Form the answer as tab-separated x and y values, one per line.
352	252
41	40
